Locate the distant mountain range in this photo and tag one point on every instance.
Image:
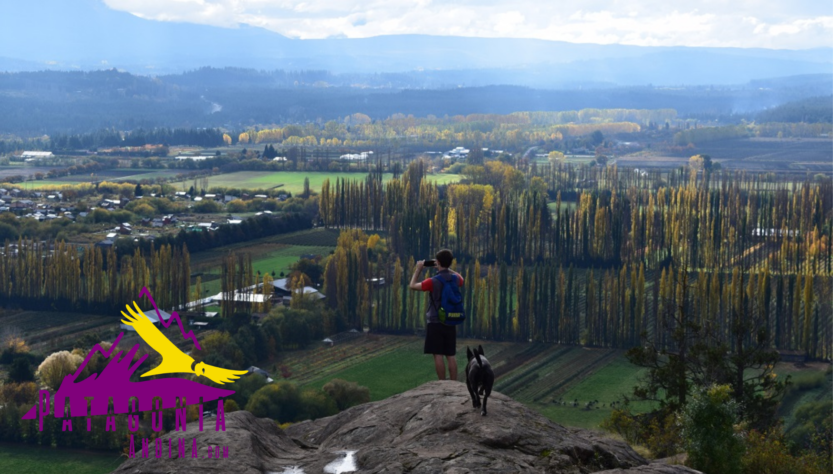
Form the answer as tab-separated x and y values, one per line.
44	102
87	35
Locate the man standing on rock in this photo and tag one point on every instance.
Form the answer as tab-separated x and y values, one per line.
440	339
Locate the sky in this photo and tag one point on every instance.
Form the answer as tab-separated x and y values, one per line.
777	24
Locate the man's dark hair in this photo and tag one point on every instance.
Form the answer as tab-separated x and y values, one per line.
444	258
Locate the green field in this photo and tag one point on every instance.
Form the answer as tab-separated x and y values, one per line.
280	260
293	181
395	372
606	385
112	175
274	253
548	378
387	368
405	367
277	260
23	459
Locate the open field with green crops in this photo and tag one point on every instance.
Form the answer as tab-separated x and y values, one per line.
112	175
278	259
293	181
539	375
607	384
23	459
557	381
269	254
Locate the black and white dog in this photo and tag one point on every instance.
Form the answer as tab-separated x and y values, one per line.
479	377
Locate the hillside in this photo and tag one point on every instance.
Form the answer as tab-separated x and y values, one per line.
431	428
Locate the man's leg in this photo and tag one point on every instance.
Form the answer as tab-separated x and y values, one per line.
439	364
452	366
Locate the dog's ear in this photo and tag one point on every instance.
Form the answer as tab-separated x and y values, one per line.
480	350
469	354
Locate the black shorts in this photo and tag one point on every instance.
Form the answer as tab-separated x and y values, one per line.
440	339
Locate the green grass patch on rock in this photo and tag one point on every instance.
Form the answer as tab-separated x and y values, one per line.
24	459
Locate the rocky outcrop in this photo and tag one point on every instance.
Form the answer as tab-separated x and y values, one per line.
430	429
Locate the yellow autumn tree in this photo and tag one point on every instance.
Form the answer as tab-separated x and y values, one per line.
57	366
555	157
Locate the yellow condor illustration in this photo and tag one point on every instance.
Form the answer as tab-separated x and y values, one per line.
174	361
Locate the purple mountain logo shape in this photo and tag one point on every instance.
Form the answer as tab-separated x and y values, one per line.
113	383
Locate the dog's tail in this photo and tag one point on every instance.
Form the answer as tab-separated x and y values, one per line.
477	356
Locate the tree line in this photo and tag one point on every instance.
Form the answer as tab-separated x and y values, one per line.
602	271
43	276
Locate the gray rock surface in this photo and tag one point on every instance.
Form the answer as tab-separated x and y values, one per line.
430	429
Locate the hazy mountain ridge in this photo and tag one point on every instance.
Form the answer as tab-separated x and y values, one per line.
92	36
52	101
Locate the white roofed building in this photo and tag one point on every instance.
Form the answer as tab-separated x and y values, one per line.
37	154
357	156
151	314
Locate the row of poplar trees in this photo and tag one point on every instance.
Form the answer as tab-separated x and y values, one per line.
619	262
52	275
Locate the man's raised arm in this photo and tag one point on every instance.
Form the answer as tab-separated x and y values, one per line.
416	284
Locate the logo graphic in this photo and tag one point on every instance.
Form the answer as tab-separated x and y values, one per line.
173	360
114	384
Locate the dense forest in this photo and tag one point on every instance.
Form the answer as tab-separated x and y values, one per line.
810	110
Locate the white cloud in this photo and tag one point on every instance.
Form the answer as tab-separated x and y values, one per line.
741	23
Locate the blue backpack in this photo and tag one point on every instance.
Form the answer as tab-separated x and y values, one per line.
450	312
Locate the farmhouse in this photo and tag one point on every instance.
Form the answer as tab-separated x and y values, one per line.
240	297
458	152
356	156
281	293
